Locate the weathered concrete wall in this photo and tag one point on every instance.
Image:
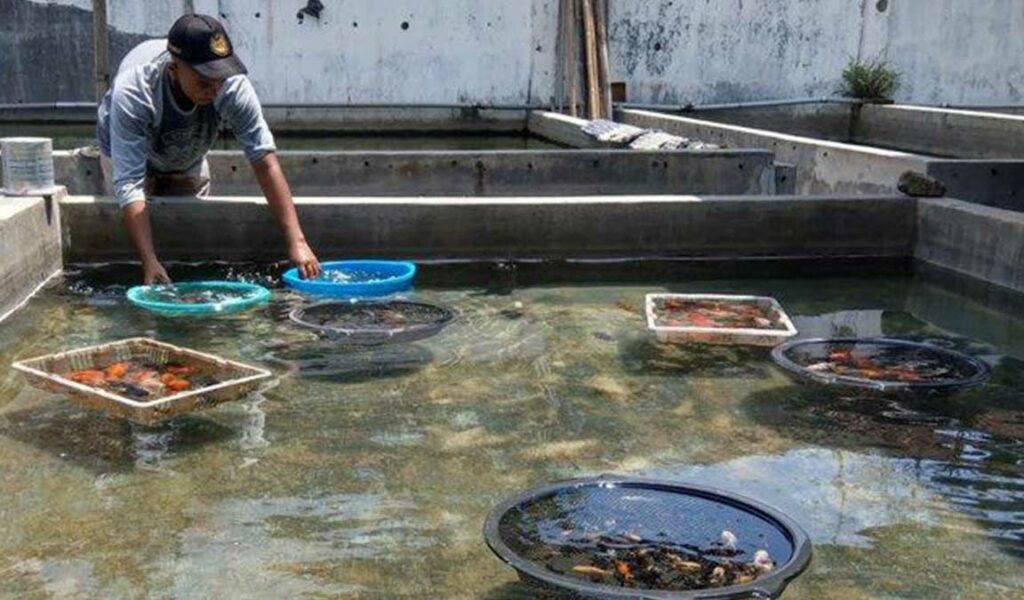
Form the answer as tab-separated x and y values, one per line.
699	52
824	120
978	241
30	247
822	166
996	183
469	173
500	52
359	51
940	132
634	226
46	49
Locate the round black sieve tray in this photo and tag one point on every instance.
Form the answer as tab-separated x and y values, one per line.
550	532
374	322
881	364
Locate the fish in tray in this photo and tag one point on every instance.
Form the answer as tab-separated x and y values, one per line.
631	561
142	380
847	363
677	312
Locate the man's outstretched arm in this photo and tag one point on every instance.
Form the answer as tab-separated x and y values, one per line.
136	220
279	197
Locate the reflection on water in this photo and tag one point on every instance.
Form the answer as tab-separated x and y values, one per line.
368	472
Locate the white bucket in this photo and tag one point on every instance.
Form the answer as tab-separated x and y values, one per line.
27	166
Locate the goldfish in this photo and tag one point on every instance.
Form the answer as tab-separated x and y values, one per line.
174	383
180	369
624	570
89	377
591	572
116	371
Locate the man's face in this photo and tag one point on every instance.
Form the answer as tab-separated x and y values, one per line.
197	88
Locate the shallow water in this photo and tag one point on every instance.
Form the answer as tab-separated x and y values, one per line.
369	472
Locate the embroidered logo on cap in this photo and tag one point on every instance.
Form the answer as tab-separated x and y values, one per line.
219	45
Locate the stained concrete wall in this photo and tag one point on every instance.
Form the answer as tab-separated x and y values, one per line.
978	241
822	166
940	132
468	51
468	173
359	51
634	226
30	247
693	51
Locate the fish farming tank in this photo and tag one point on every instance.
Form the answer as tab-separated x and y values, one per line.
69	136
369	471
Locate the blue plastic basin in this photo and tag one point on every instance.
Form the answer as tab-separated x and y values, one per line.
355	278
153	298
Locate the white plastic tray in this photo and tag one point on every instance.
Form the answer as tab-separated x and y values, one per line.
236	379
720	335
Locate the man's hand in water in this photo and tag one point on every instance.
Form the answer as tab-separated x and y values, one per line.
153	272
304	260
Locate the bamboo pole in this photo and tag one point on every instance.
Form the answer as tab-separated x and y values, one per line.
100	48
604	71
590	47
571	53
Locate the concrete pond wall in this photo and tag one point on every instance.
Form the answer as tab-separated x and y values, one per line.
509	228
839	148
30	247
501	52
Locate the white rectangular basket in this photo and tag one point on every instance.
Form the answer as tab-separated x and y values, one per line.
235	379
720	335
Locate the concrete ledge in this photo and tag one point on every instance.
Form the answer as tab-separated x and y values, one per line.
998	183
631	226
30	247
823	120
978	241
562	129
474	173
940	131
823	167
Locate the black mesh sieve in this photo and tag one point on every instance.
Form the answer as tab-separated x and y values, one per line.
880	363
632	538
374	322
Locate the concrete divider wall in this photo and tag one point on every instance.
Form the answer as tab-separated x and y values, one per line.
471	173
822	167
629	226
997	183
978	241
940	131
823	120
30	247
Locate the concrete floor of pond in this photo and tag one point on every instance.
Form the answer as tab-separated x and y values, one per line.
370	475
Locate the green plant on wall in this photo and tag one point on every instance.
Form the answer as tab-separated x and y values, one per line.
870	80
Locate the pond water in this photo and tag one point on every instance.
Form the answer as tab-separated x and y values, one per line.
367	473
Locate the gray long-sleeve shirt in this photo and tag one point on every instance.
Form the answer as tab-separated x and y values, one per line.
143	130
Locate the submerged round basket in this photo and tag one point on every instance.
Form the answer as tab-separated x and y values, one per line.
370	322
355	279
881	364
611	538
198	298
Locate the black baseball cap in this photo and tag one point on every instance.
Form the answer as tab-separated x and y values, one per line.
200	41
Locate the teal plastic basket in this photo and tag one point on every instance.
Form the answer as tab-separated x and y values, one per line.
154	298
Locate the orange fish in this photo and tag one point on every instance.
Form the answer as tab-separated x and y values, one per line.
700	320
624	570
116	371
89	377
174	383
180	369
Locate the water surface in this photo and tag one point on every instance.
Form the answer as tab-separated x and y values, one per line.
368	473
